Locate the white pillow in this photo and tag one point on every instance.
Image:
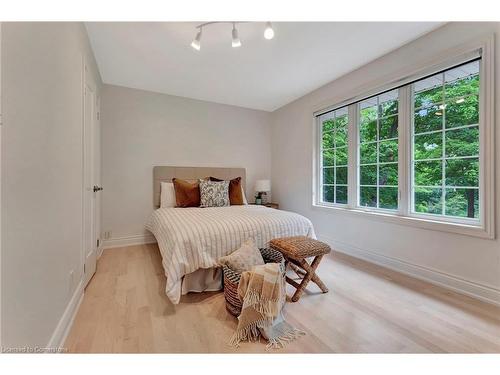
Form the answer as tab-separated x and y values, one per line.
243	259
167	195
245	202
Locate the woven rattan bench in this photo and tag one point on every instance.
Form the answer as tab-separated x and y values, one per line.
232	280
296	250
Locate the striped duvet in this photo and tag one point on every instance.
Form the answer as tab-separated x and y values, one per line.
193	238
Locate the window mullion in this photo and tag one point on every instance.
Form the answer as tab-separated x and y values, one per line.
378	152
443	151
352	159
404	150
319	170
334	157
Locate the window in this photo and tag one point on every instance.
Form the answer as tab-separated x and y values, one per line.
445	143
334	156
378	151
419	153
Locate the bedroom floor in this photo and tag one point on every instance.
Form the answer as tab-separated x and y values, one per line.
368	309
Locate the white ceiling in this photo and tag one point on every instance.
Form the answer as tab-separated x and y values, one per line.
261	74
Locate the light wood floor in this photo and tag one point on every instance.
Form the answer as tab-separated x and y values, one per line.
368	309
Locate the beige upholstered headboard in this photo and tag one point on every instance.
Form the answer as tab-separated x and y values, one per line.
166	173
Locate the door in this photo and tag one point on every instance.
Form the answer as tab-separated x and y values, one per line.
91	177
97	175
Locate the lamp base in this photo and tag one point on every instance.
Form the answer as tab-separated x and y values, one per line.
264	198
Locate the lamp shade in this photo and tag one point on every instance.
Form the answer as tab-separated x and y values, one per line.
262	185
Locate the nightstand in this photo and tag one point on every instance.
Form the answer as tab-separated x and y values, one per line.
270	205
273	205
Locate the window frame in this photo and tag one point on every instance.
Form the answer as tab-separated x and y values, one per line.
485	226
358	163
321	167
445	218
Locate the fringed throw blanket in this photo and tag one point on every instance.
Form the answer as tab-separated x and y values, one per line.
263	293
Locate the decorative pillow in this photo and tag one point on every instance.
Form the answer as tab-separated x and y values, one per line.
243	259
214	194
235	190
167	195
187	194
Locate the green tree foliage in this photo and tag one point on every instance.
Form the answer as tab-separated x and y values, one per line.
335	153
439	110
445	150
378	154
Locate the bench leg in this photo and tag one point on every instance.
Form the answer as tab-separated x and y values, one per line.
310	274
299	271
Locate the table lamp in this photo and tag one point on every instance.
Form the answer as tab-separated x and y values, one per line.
261	189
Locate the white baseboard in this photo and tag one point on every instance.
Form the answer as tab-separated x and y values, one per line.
100	249
470	288
128	241
65	323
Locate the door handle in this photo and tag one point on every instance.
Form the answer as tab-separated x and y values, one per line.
97	188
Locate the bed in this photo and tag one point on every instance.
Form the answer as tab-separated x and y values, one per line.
191	240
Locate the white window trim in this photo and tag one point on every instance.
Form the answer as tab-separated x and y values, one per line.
403	216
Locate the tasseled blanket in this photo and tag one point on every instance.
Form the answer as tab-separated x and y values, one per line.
263	293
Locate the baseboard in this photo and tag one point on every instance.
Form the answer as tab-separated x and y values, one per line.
128	241
100	249
469	288
65	323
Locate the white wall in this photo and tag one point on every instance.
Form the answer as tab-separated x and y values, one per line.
41	177
468	263
141	129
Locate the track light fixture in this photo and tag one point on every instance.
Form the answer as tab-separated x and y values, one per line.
235	41
269	32
196	43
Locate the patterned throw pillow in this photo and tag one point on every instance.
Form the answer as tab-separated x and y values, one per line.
214	194
243	259
235	190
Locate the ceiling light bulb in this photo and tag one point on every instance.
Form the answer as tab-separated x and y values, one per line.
196	42
236	41
269	32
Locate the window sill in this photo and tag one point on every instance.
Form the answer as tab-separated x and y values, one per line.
416	222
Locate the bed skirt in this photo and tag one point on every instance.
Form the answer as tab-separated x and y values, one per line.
202	280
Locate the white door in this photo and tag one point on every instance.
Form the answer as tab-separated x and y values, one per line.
97	174
91	177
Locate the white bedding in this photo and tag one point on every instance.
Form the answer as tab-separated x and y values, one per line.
194	238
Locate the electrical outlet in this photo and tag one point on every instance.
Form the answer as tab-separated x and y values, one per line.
107	235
